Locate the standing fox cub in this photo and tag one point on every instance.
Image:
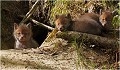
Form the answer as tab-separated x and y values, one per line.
83	24
23	36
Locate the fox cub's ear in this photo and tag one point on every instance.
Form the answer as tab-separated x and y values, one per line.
68	15
15	26
56	17
29	25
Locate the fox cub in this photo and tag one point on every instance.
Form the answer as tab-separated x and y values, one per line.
23	36
82	24
106	20
93	16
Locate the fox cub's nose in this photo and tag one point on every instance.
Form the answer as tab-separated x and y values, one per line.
61	29
22	38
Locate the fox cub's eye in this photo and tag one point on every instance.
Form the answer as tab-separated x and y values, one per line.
18	33
58	23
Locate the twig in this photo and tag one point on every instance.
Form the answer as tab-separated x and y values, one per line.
38	23
28	15
41	24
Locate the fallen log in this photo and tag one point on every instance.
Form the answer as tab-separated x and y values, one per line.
89	38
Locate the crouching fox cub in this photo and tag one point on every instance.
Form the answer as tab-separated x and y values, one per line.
83	24
23	36
106	20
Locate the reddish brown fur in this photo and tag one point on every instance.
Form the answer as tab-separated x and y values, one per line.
83	24
106	19
24	31
91	16
61	22
23	37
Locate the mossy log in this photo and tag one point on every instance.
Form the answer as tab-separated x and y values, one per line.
89	39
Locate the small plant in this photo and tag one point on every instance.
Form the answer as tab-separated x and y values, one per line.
116	22
59	8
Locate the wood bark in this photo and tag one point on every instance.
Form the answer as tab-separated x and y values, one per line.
89	39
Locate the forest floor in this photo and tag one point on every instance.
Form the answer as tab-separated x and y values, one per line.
25	59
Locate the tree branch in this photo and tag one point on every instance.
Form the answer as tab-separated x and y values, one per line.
28	15
41	24
38	23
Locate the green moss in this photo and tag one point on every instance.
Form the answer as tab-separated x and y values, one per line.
59	8
116	21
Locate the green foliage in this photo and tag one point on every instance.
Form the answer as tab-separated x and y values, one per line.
116	22
82	60
65	7
112	4
59	8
